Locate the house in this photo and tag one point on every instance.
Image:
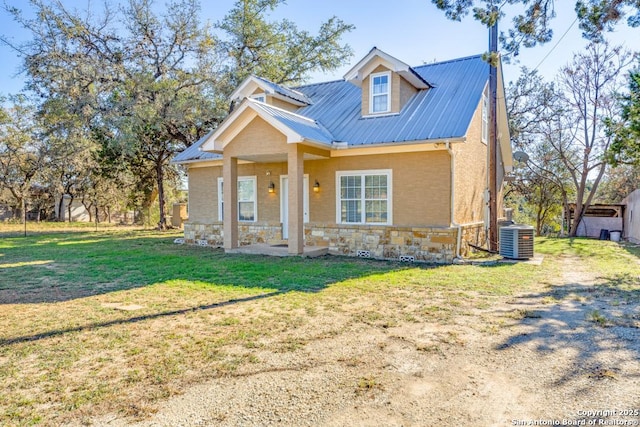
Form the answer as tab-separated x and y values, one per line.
389	162
631	224
76	212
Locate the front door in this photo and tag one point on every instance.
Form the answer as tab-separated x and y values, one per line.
284	203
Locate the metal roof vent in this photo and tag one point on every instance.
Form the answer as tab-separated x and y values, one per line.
516	241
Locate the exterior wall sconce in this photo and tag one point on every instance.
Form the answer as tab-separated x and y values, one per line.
272	187
316	187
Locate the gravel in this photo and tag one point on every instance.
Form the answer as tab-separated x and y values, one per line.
551	365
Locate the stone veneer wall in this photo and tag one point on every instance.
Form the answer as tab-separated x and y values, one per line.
426	244
475	234
249	234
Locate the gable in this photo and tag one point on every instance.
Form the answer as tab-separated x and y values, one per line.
257	138
376	58
254	85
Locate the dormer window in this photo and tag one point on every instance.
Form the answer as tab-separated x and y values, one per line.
259	97
380	93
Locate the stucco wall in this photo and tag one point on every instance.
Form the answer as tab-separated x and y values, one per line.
405	92
471	173
257	138
281	104
203	197
421	184
203	202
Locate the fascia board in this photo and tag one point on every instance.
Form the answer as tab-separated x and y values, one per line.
395	63
396	147
234	129
377	57
209	144
248	86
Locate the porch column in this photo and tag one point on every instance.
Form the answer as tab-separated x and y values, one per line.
230	196
296	202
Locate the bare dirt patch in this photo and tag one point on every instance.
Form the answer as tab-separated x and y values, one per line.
545	356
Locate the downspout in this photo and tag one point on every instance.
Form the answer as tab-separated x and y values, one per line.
453	199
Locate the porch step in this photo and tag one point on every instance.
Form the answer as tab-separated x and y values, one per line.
281	250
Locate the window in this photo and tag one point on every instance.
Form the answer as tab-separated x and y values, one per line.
380	101
247	206
485	118
364	197
259	97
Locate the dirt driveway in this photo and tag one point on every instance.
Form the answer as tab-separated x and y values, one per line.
569	356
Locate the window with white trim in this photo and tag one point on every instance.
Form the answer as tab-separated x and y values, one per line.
364	197
380	90
247	205
258	97
485	117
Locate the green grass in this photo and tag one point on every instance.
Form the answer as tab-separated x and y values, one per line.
113	320
615	264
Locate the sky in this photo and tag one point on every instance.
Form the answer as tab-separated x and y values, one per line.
414	31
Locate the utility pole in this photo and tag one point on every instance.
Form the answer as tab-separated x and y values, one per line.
493	138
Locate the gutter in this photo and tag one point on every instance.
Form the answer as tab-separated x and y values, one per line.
453	199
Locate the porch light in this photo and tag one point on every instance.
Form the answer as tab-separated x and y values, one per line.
272	187
316	187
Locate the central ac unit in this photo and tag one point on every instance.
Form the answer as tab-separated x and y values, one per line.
516	241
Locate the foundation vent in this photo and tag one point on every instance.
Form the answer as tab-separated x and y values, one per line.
364	254
407	258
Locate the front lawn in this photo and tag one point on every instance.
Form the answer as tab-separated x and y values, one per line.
113	321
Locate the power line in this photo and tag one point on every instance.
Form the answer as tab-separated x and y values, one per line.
556	45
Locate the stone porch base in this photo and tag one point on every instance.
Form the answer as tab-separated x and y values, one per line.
415	244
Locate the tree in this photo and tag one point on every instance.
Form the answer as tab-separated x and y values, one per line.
169	93
563	126
588	85
21	152
146	84
69	152
541	183
618	183
140	80
278	51
625	148
532	26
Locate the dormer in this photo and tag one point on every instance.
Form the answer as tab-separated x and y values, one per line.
387	83
263	90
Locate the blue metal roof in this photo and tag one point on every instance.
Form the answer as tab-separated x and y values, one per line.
303	126
193	153
444	111
285	91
